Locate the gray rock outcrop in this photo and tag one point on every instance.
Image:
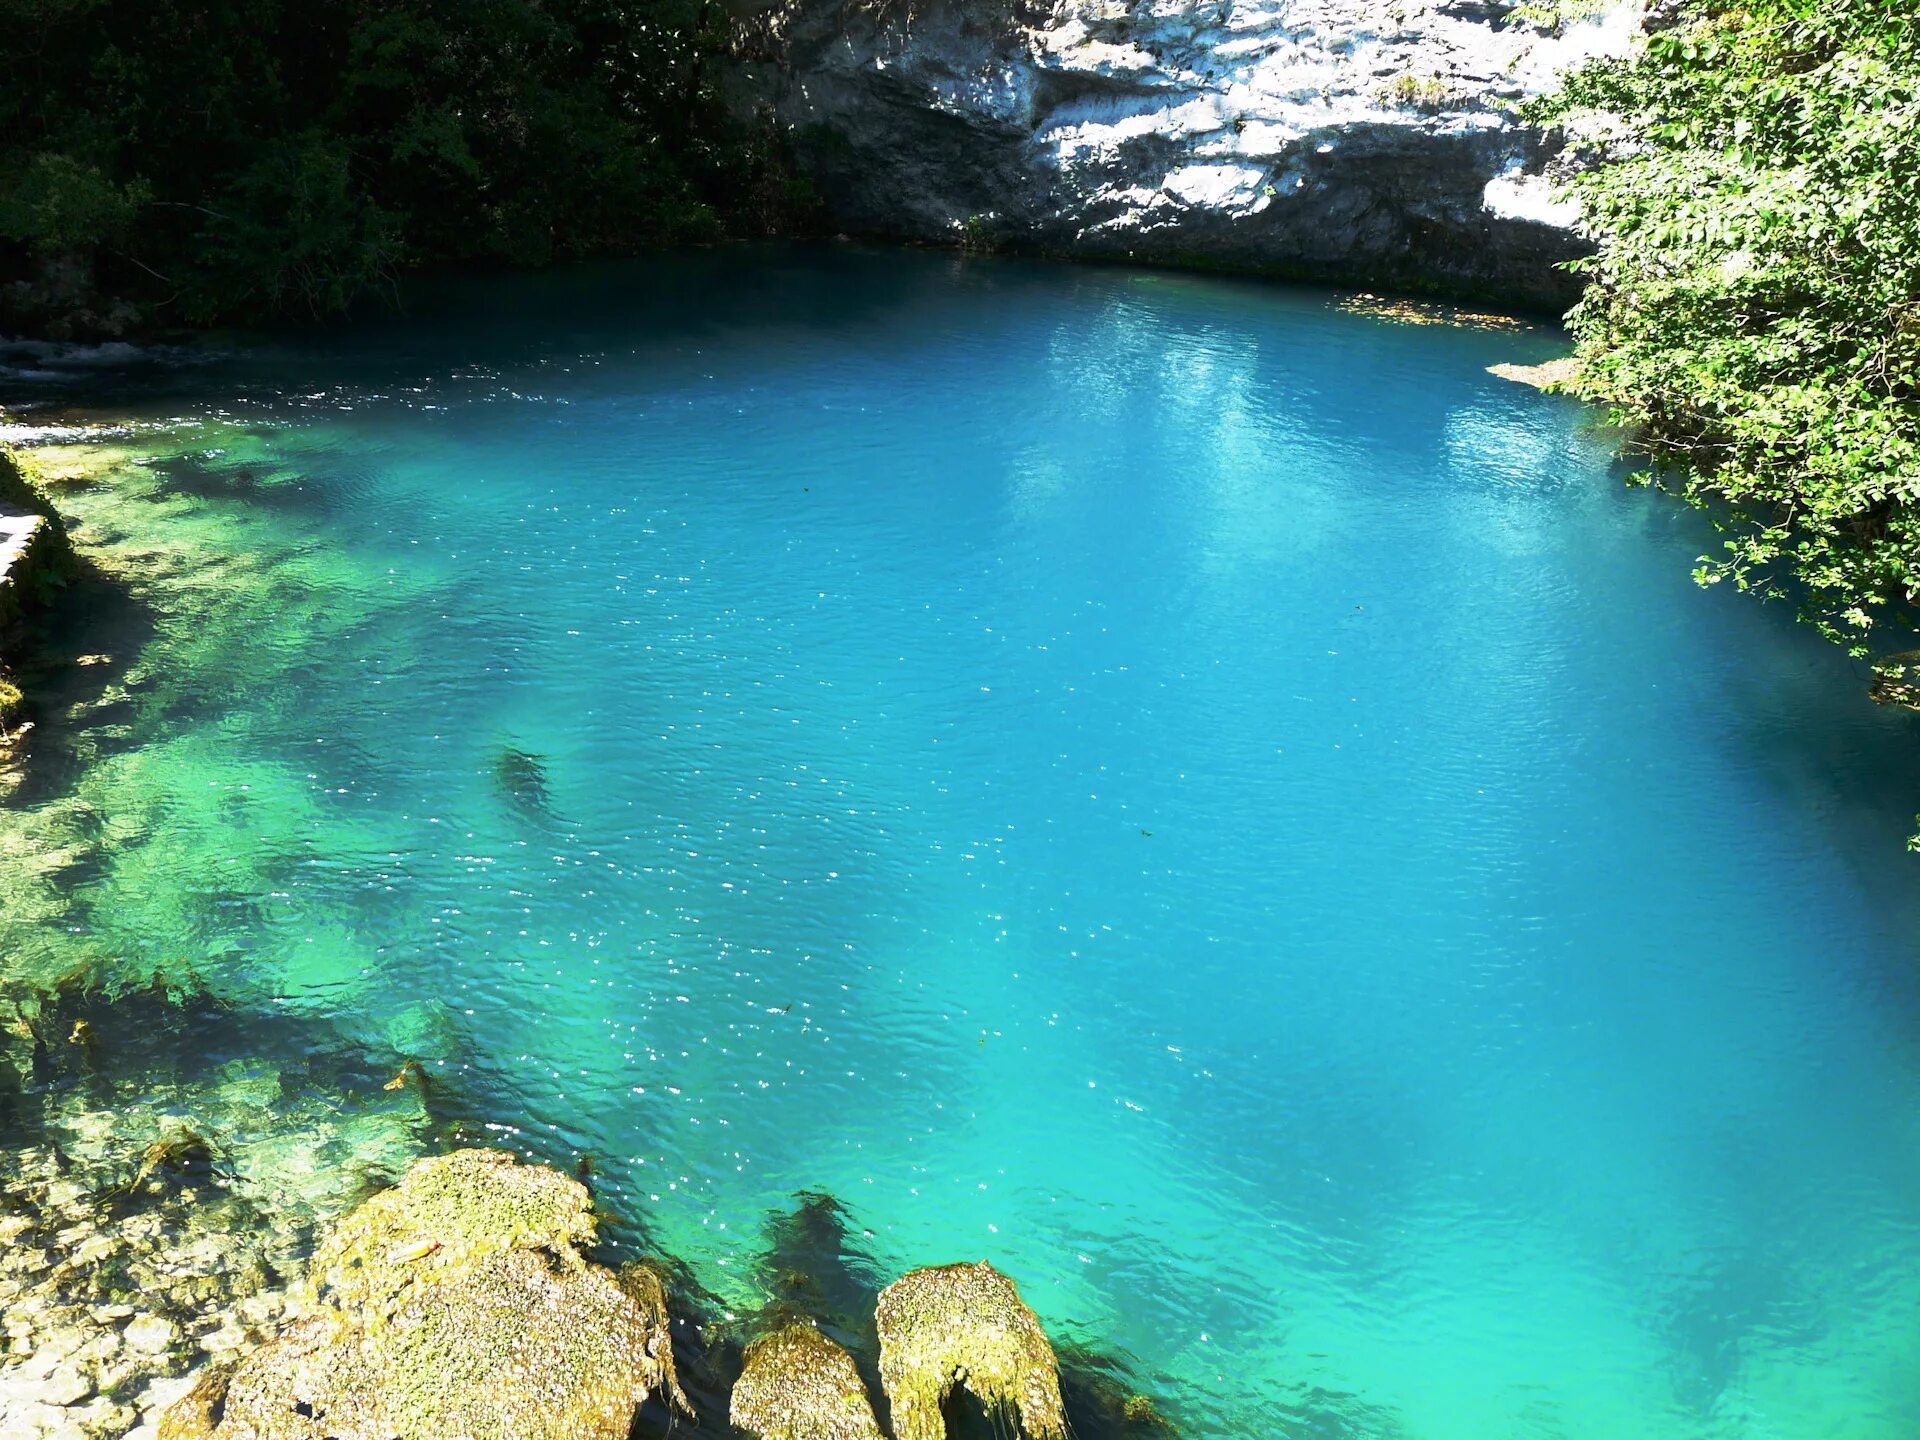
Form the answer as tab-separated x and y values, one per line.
1329	139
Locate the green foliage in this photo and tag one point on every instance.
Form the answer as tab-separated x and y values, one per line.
1420	92
1554	16
293	232
53	203
237	158
1754	306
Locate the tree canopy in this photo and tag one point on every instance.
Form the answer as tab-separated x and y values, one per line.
240	158
1753	309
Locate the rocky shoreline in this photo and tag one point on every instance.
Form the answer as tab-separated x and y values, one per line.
272	1250
463	1300
156	1203
104	1314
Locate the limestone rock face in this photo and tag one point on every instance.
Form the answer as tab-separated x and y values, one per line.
455	1304
796	1384
965	1326
1341	139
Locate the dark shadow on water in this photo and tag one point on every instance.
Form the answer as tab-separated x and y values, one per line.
68	656
258	485
811	1266
520	777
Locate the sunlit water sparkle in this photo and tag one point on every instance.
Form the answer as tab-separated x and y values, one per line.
1215	803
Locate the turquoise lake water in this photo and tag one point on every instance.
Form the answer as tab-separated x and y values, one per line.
1214	803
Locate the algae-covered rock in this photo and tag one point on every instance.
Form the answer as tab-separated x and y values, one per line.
796	1384
448	1214
966	1326
645	1287
457	1304
23	492
196	1415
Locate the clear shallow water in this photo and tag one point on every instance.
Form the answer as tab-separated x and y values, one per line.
1216	804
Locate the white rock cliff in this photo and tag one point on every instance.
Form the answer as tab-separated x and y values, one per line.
1335	139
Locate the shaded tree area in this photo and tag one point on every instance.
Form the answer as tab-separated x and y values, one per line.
1753	308
165	161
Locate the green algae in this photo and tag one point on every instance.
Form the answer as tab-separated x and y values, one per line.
196	1415
965	1326
796	1384
465	1207
24	491
456	1304
145	855
522	777
646	1286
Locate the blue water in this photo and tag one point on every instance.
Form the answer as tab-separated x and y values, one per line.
1215	803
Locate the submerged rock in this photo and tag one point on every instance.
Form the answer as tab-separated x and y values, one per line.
965	1326
814	1267
521	777
457	1303
796	1384
100	1292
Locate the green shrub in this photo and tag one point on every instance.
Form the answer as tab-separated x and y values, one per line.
1753	311
1420	92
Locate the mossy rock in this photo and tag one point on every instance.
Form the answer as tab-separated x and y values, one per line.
796	1384
646	1287
965	1326
448	1214
456	1304
196	1415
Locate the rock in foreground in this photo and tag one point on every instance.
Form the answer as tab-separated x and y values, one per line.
965	1326
796	1384
456	1304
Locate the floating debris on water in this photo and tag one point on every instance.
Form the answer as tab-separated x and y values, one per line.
1403	311
409	1071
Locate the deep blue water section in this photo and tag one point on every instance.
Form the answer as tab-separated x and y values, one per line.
1215	803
